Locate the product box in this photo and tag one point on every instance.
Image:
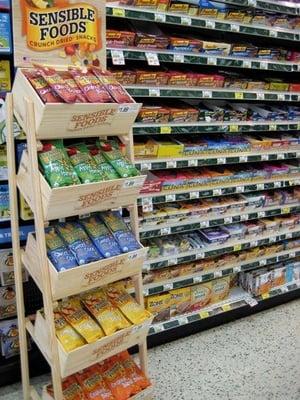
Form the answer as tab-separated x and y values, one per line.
159	306
3	163
150	114
9	338
5	33
145	147
118	38
220	289
151	78
185	44
200	296
5	85
8	305
180	301
124	76
168	148
7	268
4	203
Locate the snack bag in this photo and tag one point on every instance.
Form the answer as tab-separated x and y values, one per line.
67	77
119	297
58	253
90	86
101	237
93	385
71	389
56	165
125	238
123	167
133	371
78	242
41	87
67	336
80	320
104	167
84	165
109	317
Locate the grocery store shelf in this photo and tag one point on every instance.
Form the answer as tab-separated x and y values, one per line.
202	191
237	157
149	230
169	56
209	93
208	275
210	127
286	7
202	22
214	250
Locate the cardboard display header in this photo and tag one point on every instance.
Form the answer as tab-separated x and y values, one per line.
59	32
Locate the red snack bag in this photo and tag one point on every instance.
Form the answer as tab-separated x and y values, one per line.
116	90
133	371
71	389
41	87
93	385
91	87
67	77
57	84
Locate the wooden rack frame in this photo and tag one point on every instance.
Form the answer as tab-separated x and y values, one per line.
47	278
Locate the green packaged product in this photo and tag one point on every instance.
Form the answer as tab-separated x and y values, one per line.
84	164
104	167
56	165
123	167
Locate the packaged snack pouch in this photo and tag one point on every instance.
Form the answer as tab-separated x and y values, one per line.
125	238
83	324
220	289
78	242
84	164
56	165
133	311
41	87
104	167
67	336
93	385
123	167
134	372
8	304
58	253
67	77
90	86
71	389
109	317
101	237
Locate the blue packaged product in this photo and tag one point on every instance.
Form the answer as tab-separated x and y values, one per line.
78	242
101	237
58	253
124	237
5	33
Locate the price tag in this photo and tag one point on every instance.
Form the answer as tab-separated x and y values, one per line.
194	195
117	57
292	255
171	164
212	61
236	269
159	17
207	94
264	157
197	279
165	129
118	12
158	328
172	261
277	184
145	166
168	286
233	128
204	314
265	296
204	224
193	163
247	64
217	192
272	127
182	320
280	156
210	24
126	108
285	210
260	96
170	197
146	201
186	21
221	160
281	97
252	3
228	220
244	217
240	189
154	92
165	231
243	158
284	289
226	307
263	65
298	126
261	214
200	256
237	247
273	239
272	33
262	263
179	58
147	208
146	267
218	274
239	95
152	59
234	28
254	244
288	235
260	186
252	302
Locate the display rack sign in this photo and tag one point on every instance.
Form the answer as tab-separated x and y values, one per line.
60	32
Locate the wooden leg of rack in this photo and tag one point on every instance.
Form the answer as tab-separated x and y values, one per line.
16	247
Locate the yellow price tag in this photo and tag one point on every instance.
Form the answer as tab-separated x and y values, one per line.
204	314
162	7
265	296
226	307
239	96
237	247
233	128
118	12
298	126
285	210
165	129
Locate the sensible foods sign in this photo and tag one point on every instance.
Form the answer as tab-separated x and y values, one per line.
59	32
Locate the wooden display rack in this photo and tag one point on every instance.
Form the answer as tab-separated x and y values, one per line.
46	204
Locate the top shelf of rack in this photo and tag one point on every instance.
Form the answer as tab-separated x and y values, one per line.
286	7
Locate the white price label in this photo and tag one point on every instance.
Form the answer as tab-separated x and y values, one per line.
221	160
234	28
145	166
117	57
210	24
171	164
152	59
146	201
281	97
244	217
254	244
207	94
263	263
154	92
252	302
193	163
247	64
197	279
261	214
172	261
288	235
240	189
212	61
168	286
292	255
243	158
260	186
158	328
217	192
263	65
280	156
236	269
131	183
179	58
194	195
200	256
273	33
147	208
252	3
264	157
272	127
272	239
284	289
228	220
218	274
170	197
204	224
165	231
186	21
182	320
260	96
277	184
146	267
159	17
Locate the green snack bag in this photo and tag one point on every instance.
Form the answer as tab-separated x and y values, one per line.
106	169
114	156
84	165
56	165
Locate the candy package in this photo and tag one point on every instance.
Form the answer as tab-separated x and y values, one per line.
114	156
104	167
134	372
67	336
41	87
93	384
8	306
71	389
9	338
67	77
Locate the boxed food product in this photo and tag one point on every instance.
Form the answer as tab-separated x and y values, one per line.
236	231
4	203
124	76
151	77
215	48
243	50
8	305
159	306
220	289
5	81
214	235
152	183
210	80
168	148
150	114
149	35
180	300
200	296
185	44
119	38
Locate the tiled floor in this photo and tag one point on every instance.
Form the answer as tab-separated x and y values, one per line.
256	358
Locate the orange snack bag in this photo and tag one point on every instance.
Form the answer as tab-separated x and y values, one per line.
71	389
133	371
93	385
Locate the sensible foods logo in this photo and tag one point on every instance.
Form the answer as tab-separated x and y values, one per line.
54	27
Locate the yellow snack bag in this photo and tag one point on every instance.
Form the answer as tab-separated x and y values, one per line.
67	336
220	289
129	307
73	312
108	316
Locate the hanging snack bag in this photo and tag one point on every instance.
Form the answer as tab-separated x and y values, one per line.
104	167
109	317
67	77
119	297
84	165
115	89
93	385
125	238
90	86
78	242
83	324
58	253
67	336
114	156
41	87
133	371
101	237
56	165
71	389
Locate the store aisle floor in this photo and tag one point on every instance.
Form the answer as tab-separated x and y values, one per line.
255	358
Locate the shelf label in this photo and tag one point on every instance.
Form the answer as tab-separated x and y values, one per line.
126	108
240	189
165	231
243	159
228	220
260	186
292	255
272	33
159	17
210	24
186	21
200	256
182	320
172	261
226	307
234	28
171	164
262	263
197	279
165	129
194	195
252	3
263	65
179	58
168	286
277	184
288	235
218	274
239	95
152	59
193	163
170	197
118	12
204	314
261	214
244	217
264	157
154	92
247	64
147	208
237	247
207	94
252	302
145	166
260	96
280	156
131	183
211	61
117	57
217	192
281	97
273	239
254	244
265	296
204	224
233	128
272	127
221	160
236	269
146	201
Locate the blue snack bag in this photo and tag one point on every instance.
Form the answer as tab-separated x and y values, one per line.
101	237
57	251
78	242
125	238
